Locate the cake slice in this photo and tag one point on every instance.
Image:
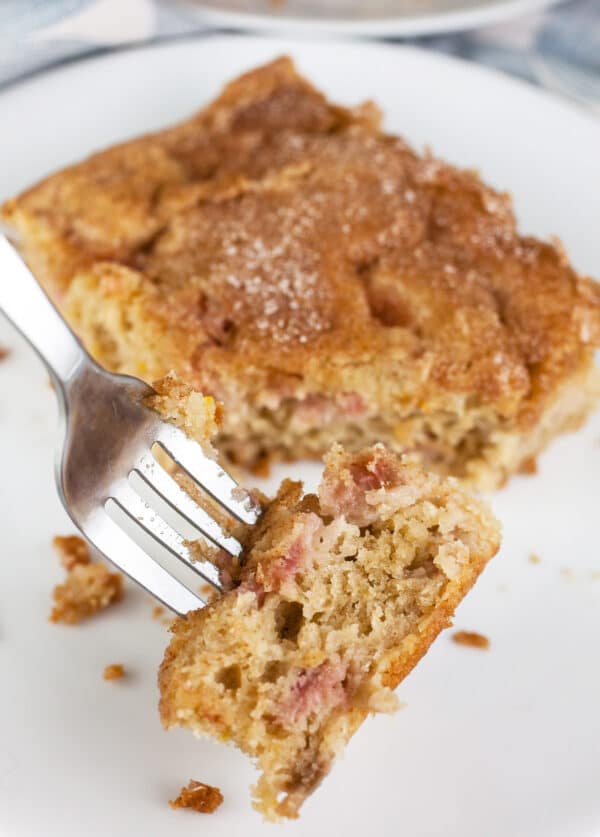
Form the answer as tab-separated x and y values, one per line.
321	279
337	597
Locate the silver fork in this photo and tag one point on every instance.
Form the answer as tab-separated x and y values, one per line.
107	454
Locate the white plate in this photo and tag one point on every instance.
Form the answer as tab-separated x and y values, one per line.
490	744
375	18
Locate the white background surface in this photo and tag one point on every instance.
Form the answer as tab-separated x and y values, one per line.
489	744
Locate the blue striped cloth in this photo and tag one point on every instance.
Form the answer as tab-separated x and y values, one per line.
558	47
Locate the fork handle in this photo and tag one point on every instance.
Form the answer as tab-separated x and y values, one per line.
28	308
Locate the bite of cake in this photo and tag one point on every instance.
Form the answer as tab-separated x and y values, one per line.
337	597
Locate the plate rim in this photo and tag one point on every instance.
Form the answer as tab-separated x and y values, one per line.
420	53
456	20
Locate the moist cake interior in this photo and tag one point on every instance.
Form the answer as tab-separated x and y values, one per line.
337	597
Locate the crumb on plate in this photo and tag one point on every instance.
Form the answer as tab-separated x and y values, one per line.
4	353
199	797
534	558
207	592
529	466
472	639
72	550
114	671
88	588
161	615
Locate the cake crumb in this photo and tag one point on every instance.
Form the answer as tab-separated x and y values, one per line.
529	466
72	551
596	575
4	353
199	797
115	671
567	573
261	468
207	591
534	558
88	588
158	613
199	415
472	639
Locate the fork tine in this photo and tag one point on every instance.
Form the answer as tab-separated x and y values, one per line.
152	523
208	474
155	476
122	551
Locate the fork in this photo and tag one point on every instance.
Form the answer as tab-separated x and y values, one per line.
109	437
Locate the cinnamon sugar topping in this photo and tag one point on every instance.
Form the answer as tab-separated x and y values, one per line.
277	247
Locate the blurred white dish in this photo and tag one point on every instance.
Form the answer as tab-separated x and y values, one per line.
372	18
490	744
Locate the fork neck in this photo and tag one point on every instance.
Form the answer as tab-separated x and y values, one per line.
28	308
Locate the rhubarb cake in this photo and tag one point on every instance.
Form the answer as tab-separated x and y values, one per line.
336	598
321	279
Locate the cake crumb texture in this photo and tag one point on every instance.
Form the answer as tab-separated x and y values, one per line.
336	598
89	586
198	415
199	797
72	550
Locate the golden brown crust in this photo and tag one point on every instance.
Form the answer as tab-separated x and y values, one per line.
275	250
409	655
